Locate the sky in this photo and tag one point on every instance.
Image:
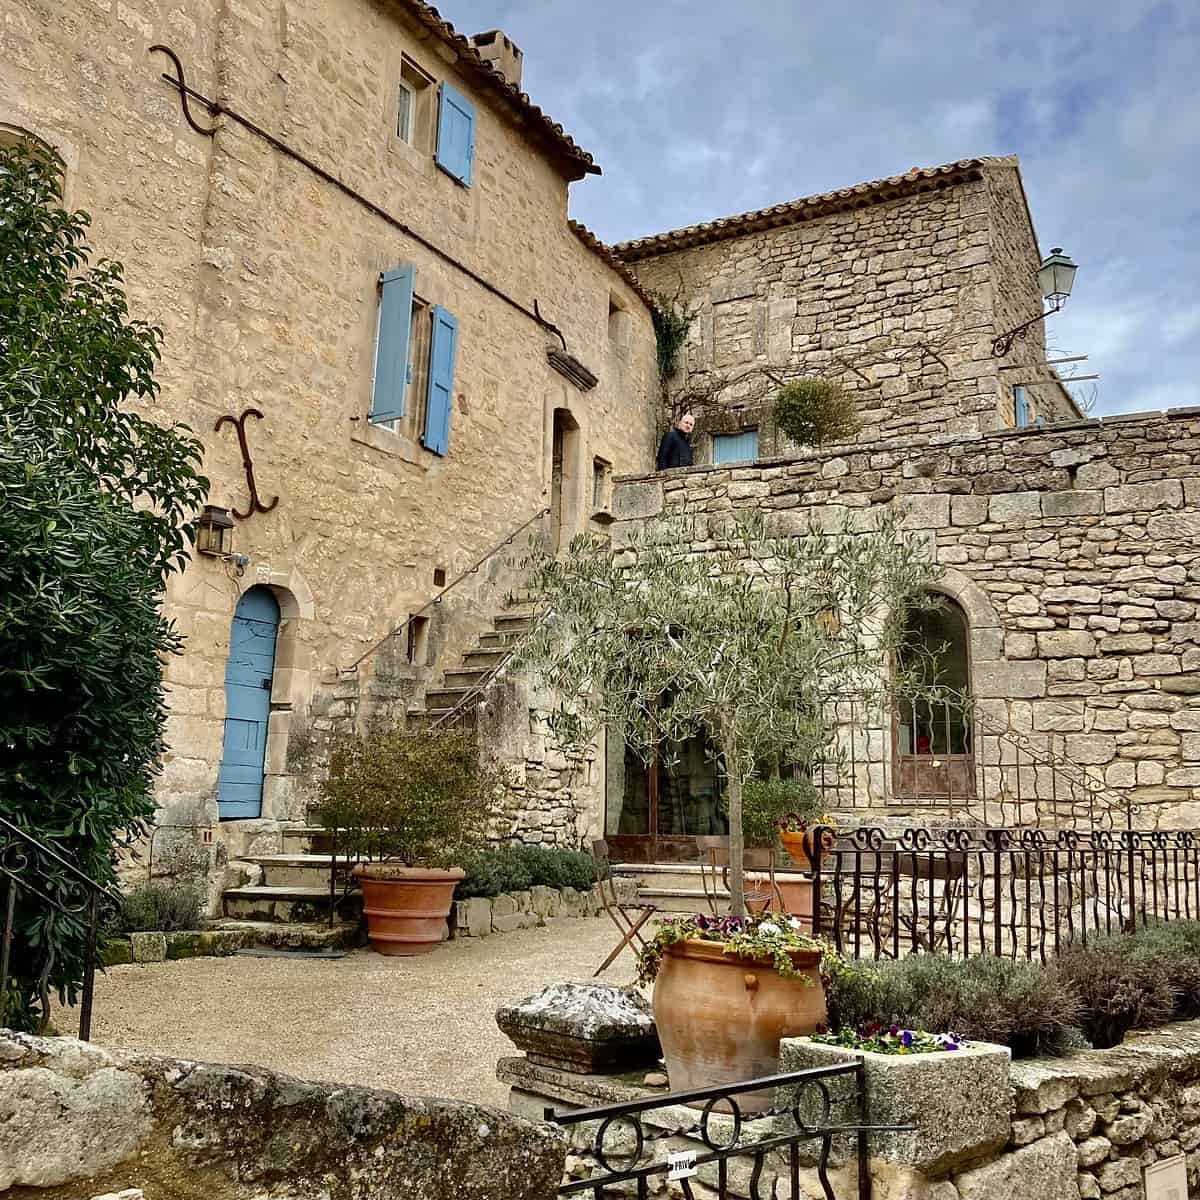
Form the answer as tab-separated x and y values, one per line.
703	109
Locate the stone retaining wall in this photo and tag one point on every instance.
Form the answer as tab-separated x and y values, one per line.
483	915
1074	553
77	1121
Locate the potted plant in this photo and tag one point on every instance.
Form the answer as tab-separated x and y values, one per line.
415	809
768	806
726	990
807	839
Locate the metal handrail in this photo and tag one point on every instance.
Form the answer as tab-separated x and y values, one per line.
436	600
16	847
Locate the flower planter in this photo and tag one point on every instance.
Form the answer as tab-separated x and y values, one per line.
720	1017
803	848
406	907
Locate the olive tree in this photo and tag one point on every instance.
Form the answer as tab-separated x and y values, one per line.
747	633
97	505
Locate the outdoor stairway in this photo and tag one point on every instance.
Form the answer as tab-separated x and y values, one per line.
674	887
289	888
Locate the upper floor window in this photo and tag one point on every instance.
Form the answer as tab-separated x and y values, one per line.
415	348
1020	406
414	114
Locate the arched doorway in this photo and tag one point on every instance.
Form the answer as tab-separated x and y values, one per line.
933	760
248	673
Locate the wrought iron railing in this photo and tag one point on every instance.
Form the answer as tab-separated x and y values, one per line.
953	757
33	872
624	1146
1017	893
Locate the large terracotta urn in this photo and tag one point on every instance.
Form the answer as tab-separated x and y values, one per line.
794	896
406	907
720	1017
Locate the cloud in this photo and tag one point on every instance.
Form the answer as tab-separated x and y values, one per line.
698	110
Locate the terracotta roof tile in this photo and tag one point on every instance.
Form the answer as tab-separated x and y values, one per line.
877	191
577	160
592	242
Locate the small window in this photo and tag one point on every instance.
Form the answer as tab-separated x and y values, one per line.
618	324
1020	407
601	484
735	447
413	420
414	113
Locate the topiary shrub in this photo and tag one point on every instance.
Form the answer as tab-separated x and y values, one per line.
816	412
765	801
1119	986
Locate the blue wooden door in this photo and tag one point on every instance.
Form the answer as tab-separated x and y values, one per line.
247	704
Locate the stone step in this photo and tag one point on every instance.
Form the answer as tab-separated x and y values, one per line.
417	719
440	700
297	870
289	904
680	899
485	658
512	622
464	678
306	839
677	875
280	935
496	640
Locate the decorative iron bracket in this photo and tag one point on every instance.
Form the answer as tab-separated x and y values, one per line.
1004	343
256	505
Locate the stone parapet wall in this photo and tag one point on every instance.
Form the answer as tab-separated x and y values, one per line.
77	1121
1074	551
481	916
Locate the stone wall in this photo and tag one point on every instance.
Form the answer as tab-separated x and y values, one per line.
77	1121
264	279
898	298
1073	553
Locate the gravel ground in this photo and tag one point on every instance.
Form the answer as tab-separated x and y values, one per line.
423	1026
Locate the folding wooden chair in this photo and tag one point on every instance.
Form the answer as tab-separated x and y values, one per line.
628	918
714	876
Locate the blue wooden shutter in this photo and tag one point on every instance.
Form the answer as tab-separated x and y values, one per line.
735	447
441	381
456	134
391	344
1020	407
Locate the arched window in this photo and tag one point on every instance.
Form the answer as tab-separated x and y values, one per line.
932	743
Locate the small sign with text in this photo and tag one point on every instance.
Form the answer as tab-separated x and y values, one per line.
681	1164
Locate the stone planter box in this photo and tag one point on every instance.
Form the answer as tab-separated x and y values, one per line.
482	916
958	1100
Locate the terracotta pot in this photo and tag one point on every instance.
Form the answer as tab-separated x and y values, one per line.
406	907
720	1017
797	894
802	848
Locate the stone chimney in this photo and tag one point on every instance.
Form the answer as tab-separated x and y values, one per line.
495	47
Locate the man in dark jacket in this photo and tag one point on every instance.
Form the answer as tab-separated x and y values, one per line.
675	450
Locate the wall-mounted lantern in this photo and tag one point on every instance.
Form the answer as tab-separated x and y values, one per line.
1056	277
214	534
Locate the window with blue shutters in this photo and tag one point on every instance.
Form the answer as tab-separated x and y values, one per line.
442	345
391	345
1020	407
735	447
456	134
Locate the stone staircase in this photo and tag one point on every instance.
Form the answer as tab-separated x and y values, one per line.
286	894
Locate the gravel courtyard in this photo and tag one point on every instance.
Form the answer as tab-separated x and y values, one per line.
423	1026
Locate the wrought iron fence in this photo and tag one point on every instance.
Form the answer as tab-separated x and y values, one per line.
1018	893
778	1126
33	873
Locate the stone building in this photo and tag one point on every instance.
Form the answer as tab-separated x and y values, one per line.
381	284
895	288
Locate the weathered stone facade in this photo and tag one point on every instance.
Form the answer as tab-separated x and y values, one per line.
895	289
265	279
1072	551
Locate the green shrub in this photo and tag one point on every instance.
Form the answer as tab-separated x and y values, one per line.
1175	948
764	801
1120	984
159	906
518	868
815	412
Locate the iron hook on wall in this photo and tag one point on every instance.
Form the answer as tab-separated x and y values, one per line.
256	505
180	83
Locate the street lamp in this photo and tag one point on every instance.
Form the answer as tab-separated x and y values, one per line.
1056	277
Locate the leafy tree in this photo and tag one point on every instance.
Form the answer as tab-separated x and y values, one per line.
816	412
748	638
96	508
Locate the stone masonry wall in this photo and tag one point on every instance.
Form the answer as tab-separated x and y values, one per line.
855	296
77	1121
1073	551
264	279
